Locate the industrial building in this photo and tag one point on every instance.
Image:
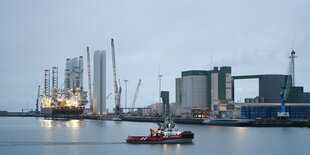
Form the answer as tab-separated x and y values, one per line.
99	98
267	104
199	92
279	95
270	110
204	90
270	87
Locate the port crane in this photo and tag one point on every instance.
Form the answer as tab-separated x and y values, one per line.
117	90
285	91
136	94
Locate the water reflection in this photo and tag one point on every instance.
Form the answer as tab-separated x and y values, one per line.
74	123
171	148
240	131
46	123
61	123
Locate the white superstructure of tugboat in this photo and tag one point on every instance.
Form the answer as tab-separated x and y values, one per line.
166	133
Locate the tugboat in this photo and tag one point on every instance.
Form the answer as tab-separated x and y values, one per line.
166	134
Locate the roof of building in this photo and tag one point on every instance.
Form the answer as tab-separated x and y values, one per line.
226	69
255	76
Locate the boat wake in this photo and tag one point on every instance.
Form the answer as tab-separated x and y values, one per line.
56	143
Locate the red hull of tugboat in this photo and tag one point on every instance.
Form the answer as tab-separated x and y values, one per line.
185	137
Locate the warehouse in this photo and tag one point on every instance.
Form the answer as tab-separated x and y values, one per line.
270	110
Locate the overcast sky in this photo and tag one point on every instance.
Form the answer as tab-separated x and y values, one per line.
254	37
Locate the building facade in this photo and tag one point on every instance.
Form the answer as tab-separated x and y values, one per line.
194	90
99	98
270	110
268	103
270	86
221	88
201	89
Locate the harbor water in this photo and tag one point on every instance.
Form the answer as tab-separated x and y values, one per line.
28	135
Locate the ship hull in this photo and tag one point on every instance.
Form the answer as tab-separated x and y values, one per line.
171	139
167	141
62	111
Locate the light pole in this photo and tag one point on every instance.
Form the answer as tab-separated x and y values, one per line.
125	95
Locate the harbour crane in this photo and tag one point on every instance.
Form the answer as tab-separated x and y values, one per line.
117	90
89	81
289	83
136	94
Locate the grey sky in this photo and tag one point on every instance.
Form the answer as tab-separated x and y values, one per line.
254	37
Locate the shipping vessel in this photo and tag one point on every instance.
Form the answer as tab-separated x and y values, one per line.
166	134
64	102
68	99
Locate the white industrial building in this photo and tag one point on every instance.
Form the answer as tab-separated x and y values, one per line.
204	90
99	97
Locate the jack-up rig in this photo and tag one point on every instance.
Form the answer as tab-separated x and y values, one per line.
71	99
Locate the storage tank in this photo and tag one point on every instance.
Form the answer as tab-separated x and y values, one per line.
194	91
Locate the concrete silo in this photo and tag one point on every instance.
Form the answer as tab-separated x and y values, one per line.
194	89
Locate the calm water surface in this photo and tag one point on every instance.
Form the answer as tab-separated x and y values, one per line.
38	136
